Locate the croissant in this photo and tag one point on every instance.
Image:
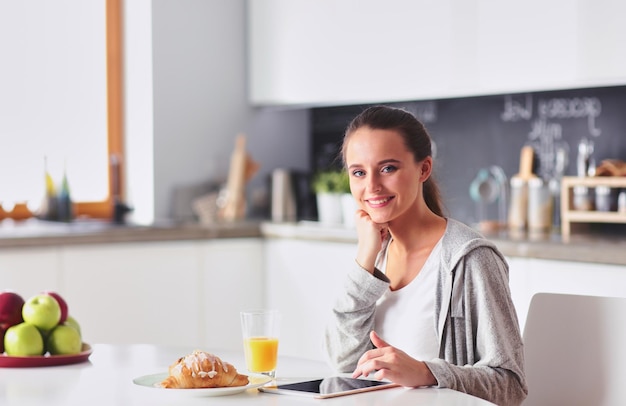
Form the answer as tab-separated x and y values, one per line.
202	370
611	167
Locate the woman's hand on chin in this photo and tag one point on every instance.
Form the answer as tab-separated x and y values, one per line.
370	236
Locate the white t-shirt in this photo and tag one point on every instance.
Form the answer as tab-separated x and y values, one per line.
405	317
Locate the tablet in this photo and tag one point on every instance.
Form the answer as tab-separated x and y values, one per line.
328	387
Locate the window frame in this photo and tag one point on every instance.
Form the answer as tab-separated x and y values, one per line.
115	117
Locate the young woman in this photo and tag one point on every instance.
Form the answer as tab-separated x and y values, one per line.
427	302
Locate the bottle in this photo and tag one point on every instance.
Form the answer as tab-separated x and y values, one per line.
50	205
64	200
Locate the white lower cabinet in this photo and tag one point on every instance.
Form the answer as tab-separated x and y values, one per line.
231	280
191	292
28	271
170	293
134	293
303	280
529	276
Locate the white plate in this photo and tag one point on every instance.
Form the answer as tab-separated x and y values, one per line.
150	381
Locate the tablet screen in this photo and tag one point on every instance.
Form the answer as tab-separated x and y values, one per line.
328	387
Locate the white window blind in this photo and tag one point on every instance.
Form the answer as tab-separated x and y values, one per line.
52	98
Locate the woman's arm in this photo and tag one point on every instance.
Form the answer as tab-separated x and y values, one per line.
490	363
352	319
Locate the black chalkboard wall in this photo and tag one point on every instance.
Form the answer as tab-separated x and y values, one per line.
480	132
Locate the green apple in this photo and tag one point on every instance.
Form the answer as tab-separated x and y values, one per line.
43	311
23	340
64	340
71	321
62	304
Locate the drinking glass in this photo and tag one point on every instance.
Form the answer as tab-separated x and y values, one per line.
260	340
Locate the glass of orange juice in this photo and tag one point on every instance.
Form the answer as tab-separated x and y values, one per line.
260	340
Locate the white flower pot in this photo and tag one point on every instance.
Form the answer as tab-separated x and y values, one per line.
329	209
348	207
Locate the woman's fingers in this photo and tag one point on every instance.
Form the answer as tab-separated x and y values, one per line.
372	360
377	341
366	363
388	362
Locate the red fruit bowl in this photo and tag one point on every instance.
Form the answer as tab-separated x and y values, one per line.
8	361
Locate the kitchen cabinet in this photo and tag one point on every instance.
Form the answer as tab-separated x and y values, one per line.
231	280
190	292
171	293
530	275
303	280
327	52
28	272
134	293
305	276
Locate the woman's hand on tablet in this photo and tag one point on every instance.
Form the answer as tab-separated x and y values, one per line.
387	362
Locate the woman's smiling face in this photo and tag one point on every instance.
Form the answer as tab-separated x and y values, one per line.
384	177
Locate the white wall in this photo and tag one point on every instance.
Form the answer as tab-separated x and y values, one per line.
200	101
138	111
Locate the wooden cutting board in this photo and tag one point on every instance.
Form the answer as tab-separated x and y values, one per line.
526	160
242	168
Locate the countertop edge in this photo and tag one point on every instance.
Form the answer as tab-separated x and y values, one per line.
584	248
109	234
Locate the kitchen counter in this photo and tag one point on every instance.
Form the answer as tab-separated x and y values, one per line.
38	233
592	248
583	247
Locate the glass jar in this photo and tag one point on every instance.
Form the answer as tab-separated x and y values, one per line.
582	198
518	209
540	205
604	199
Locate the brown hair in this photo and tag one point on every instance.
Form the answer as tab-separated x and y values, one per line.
416	139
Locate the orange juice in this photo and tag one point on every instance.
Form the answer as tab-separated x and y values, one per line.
261	353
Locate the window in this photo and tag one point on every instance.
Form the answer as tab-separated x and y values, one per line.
61	100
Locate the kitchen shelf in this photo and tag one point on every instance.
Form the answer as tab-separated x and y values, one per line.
569	215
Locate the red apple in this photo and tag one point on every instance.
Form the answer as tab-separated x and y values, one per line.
62	305
10	309
2	331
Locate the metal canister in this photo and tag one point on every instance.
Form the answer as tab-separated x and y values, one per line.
283	196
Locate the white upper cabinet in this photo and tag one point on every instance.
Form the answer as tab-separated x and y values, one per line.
329	52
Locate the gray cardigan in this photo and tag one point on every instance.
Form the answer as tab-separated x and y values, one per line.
481	350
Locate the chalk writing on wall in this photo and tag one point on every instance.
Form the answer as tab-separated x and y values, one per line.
546	135
425	111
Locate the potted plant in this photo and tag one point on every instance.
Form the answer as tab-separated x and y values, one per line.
328	186
348	204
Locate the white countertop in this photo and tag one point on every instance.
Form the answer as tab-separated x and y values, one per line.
107	379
